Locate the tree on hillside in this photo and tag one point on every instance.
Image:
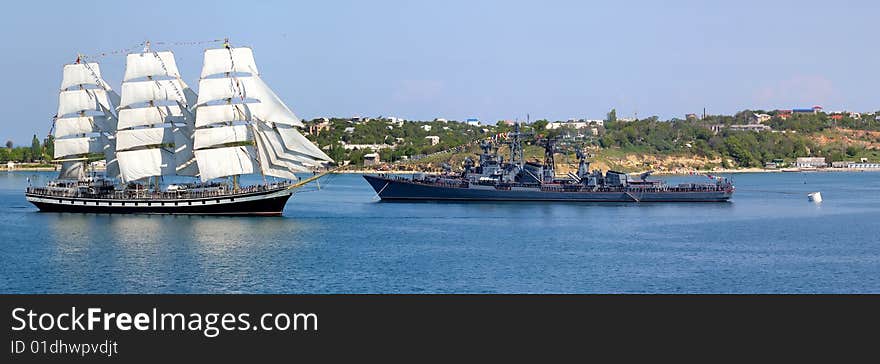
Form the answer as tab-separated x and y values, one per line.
540	125
612	116
36	148
49	147
9	144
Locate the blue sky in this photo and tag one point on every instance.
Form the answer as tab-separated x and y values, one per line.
487	59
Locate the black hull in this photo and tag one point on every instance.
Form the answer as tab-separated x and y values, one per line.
270	203
393	189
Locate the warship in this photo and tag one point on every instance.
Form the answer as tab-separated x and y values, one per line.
493	179
158	127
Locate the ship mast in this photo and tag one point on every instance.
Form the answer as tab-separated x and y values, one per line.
84	124
515	146
242	126
155	123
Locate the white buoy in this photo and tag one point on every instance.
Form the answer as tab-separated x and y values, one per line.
815	197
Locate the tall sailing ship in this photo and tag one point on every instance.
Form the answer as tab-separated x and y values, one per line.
236	125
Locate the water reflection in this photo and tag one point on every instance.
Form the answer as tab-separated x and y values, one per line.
169	253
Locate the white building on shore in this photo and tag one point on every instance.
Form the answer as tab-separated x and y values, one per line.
810	162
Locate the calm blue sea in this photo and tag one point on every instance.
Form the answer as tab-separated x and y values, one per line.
342	240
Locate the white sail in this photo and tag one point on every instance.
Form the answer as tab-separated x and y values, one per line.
222	162
84	122
82	74
279	155
155	139
150	64
148	116
271	108
134	138
226	88
215	114
269	165
142	163
76	146
138	92
223	60
74	126
297	142
184	157
190	96
184	135
82	100
72	170
271	137
246	108
111	163
107	122
216	136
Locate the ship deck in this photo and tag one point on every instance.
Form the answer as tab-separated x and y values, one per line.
251	200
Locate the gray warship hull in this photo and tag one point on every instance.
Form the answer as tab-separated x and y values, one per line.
390	188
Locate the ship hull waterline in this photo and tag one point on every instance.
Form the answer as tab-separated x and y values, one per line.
389	189
265	203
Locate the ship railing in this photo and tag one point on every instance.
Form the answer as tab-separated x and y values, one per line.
152	195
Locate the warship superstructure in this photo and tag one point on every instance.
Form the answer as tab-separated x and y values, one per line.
493	179
236	125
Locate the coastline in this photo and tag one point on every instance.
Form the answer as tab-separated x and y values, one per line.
29	169
656	173
663	173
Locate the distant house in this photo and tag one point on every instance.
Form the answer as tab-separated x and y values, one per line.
317	128
560	124
574	123
426	127
783	114
10	165
372	147
810	162
759	118
433	139
750	127
776	163
690	117
473	122
371	159
349	129
813	110
864	165
442	120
